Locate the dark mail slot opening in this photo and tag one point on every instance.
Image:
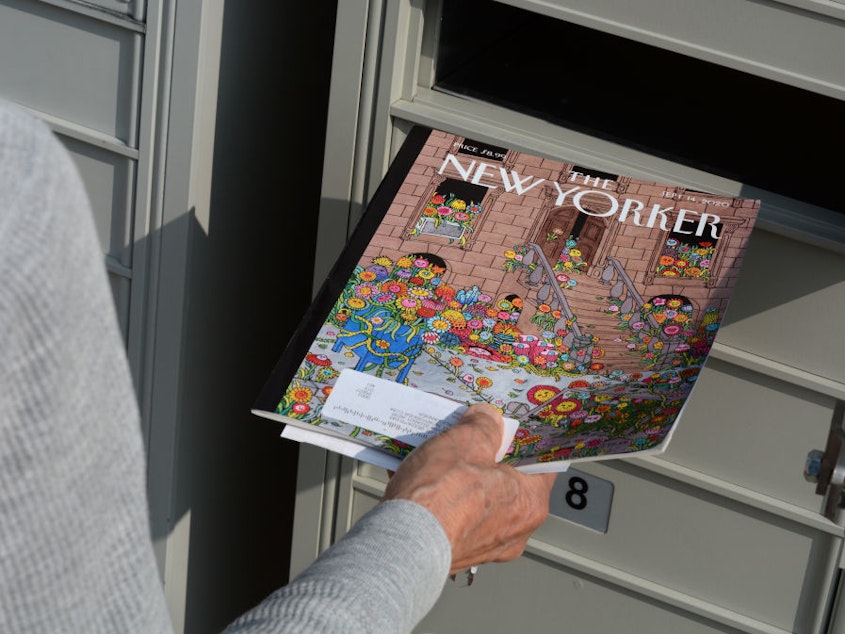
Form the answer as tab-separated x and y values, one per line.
760	132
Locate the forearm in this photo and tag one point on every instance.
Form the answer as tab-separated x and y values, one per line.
382	577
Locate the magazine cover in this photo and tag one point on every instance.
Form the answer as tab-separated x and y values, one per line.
580	303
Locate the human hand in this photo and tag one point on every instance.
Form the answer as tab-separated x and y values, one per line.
487	509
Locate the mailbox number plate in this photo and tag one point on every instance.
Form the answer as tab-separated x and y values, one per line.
583	499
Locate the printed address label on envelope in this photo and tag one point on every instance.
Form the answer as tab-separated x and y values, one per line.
396	410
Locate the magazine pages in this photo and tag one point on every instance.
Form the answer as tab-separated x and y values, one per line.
580	303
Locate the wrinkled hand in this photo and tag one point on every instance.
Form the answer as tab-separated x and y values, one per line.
487	509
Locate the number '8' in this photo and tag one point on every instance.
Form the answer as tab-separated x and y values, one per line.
576	496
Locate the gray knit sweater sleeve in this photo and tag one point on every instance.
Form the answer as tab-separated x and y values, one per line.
75	549
381	578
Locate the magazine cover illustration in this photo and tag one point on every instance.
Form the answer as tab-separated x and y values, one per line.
581	303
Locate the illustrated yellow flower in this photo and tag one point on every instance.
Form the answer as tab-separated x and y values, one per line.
300	394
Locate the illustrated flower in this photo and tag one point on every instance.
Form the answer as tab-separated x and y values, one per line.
367	276
456	362
458	204
542	393
366	289
382	261
300	408
425	312
544	308
510	254
356	303
426	274
454	317
393	286
672	329
300	394
318	359
430	337
326	374
438	324
567	406
484	382
404	262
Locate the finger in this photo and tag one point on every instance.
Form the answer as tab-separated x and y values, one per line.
480	429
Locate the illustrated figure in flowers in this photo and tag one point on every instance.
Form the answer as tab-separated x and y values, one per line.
382	341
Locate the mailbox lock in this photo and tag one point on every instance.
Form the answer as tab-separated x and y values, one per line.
827	468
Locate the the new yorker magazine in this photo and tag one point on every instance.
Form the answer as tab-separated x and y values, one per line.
580	303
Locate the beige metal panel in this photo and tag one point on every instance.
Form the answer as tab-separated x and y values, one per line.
752	431
536	595
109	181
797	46
788	306
109	10
121	289
704	546
674	558
77	68
125	7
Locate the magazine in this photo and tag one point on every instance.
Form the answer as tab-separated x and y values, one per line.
582	304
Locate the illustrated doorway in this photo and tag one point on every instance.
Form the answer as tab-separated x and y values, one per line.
563	222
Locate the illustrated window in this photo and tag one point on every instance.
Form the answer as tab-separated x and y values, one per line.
451	211
688	256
